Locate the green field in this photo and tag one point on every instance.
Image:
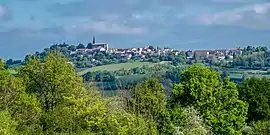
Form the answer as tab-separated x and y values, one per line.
242	71
238	73
115	67
248	75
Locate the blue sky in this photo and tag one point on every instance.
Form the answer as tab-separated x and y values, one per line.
27	26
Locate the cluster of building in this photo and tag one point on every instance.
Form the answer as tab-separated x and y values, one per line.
138	52
218	54
141	52
95	47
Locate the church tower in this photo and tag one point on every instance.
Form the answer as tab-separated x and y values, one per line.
94	40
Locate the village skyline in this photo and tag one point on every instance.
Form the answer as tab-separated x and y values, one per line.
113	48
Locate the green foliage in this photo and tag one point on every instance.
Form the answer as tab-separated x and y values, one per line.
188	121
256	91
7	124
149	100
252	59
180	59
23	108
72	47
59	90
1	64
196	86
47	96
115	67
178	117
217	101
261	127
54	81
121	122
195	124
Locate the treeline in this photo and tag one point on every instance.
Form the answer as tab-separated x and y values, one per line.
251	58
48	97
123	79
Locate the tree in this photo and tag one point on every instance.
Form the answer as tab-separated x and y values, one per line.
72	48
89	46
149	100
1	64
151	47
22	107
179	61
195	124
27	57
46	50
261	127
58	89
9	62
80	46
256	92
52	81
224	74
217	101
68	107
54	47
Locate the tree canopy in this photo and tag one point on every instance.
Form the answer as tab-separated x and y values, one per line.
47	96
216	100
256	92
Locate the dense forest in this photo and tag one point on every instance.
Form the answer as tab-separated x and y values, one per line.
47	96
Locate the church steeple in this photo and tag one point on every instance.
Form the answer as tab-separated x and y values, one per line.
94	40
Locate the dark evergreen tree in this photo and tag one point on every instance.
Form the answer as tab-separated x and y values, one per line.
89	46
80	46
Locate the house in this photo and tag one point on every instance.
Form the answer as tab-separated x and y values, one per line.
84	51
202	53
134	49
72	52
236	51
221	52
102	49
129	52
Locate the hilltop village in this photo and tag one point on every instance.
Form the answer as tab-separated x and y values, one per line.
144	53
97	54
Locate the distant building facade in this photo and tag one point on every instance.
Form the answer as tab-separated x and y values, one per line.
99	45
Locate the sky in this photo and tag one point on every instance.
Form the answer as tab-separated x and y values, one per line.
27	26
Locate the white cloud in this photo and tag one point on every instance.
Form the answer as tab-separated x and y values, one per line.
254	16
104	27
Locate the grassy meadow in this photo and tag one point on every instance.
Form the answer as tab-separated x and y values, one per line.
115	67
238	73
